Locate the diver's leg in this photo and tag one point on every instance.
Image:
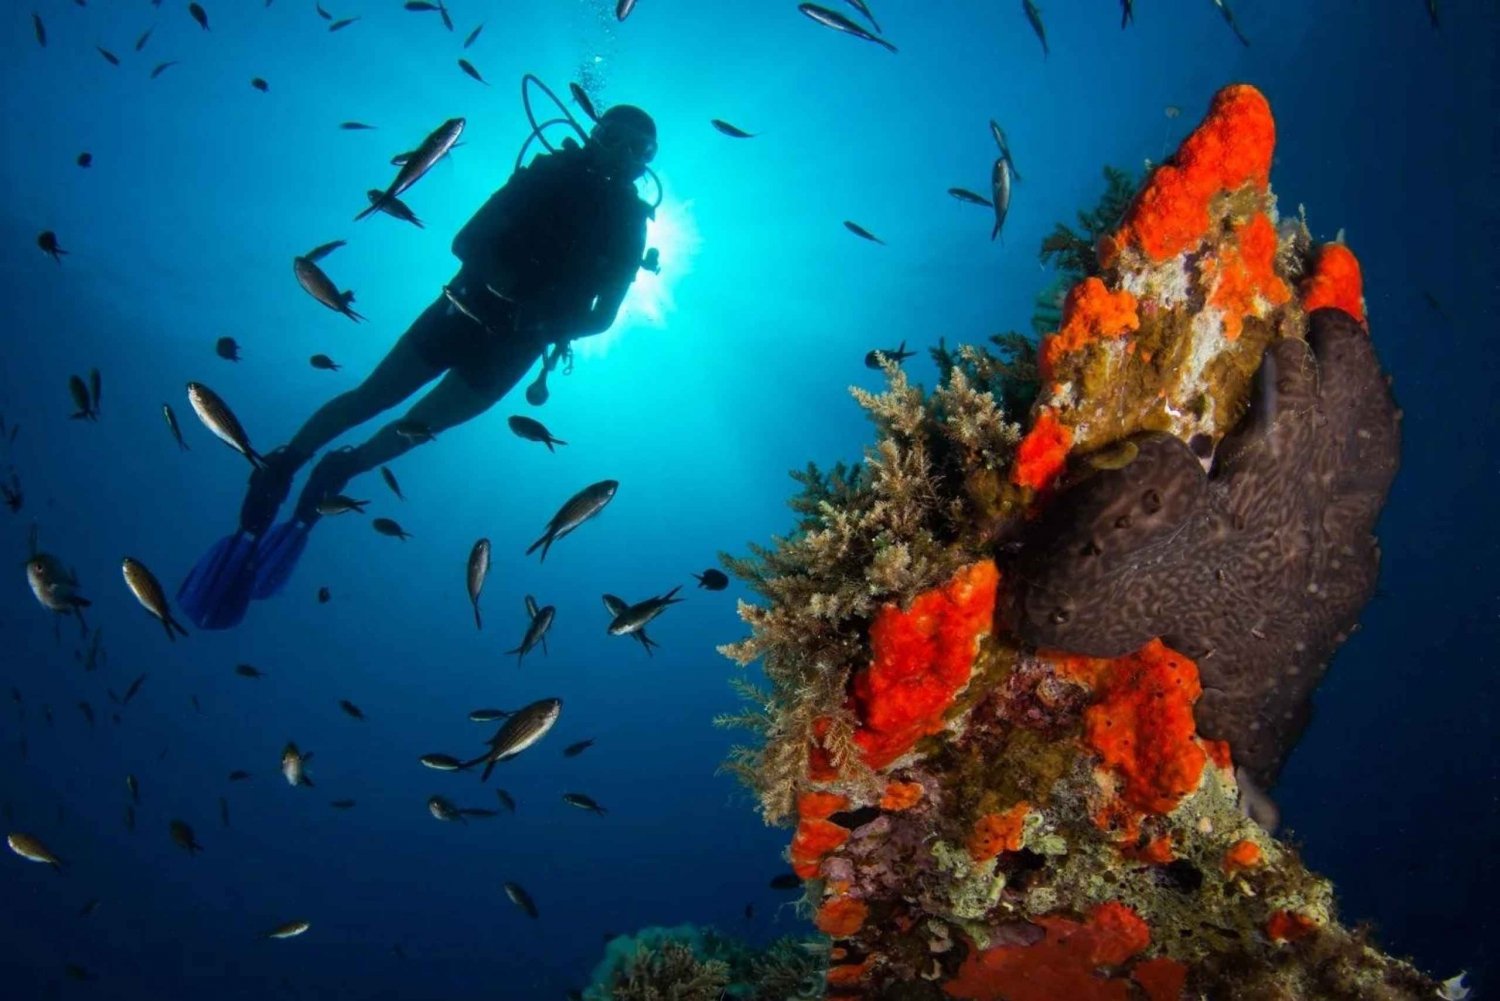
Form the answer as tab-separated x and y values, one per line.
414	361
468	390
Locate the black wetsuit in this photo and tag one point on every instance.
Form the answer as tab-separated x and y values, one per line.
535	257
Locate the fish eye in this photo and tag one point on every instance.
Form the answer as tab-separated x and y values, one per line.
1123	521
1151	501
1091	548
1059	616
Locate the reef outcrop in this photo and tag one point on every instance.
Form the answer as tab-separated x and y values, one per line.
1029	672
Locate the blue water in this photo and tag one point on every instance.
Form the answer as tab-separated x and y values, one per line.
721	374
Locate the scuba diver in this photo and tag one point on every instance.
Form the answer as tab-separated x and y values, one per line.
548	258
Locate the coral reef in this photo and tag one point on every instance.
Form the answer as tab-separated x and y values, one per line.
688	963
1024	688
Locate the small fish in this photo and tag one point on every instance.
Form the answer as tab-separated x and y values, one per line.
965	195
415	432
536	630
218	418
55	586
1000	186
1453	988
622	11
260	84
394	207
322	250
31	848
443	12
89	908
514	891
1003	145
109	56
238	776
321	287
355	126
473	35
637	616
294	766
862	233
838	22
582	100
872	358
432	149
223	811
289	930
85	159
1225	10
148	591
161	68
489	715
712	580
475	572
583	802
578	509
342	804
318	6
324	595
523	729
47	241
196	707
88	712
786	881
443	808
390	481
172	425
505	800
249	671
616	606
574	750
385	526
468	68
140	43
441	762
337	504
14	496
1432	16
227	348
351	709
733	131
81	399
199	15
342	23
1034	15
135	789
533	430
1127	13
135	687
323	362
182	836
39	29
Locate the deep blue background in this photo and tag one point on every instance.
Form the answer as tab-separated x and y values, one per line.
721	375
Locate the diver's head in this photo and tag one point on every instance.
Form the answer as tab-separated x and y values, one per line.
625	138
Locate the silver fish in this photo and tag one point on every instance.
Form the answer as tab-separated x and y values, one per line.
339	504
289	930
148	591
523	729
583	802
394	207
321	287
477	570
294	766
55	586
636	616
31	848
1003	145
521	899
1000	185
860	6
533	430
973	198
579	508
218	418
489	715
617	607
838	22
1034	15
171	418
432	149
441	762
536	630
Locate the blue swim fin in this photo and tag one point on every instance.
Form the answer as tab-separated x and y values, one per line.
279	552
218	589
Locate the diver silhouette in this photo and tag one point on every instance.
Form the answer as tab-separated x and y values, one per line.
547	259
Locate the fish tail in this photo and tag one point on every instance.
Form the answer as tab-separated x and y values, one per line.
172	626
487	770
544	542
375	206
478	622
256	459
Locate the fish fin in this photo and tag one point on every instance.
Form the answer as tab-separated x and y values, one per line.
478	622
668	596
545	542
488	768
375	206
174	628
544	647
305	780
